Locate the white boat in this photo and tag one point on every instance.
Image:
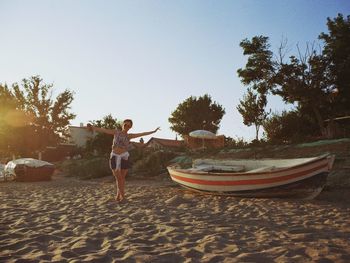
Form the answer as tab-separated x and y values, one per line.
299	178
29	169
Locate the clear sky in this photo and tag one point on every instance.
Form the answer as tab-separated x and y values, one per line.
140	59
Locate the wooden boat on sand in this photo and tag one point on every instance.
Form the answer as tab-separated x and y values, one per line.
291	178
29	170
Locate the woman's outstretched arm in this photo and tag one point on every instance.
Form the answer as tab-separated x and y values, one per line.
136	135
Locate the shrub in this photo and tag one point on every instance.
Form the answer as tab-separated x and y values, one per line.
239	142
153	163
289	127
136	154
86	168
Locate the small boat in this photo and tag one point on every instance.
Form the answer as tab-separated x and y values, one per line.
29	170
265	178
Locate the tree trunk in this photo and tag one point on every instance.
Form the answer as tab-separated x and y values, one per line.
320	121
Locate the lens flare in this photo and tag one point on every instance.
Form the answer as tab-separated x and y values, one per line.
17	118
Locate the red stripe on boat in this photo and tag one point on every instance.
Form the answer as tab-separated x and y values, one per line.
248	182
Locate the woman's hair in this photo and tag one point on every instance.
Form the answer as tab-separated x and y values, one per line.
128	120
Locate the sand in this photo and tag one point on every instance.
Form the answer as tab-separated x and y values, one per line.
77	221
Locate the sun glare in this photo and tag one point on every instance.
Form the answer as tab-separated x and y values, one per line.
16	118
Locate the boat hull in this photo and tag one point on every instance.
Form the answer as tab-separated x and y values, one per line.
305	189
29	170
301	181
33	174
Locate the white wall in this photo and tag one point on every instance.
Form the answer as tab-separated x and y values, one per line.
79	135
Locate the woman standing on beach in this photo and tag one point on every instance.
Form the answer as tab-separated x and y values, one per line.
119	159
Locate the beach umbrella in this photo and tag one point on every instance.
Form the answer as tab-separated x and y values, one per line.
203	134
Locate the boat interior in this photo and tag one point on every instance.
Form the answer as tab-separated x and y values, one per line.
246	166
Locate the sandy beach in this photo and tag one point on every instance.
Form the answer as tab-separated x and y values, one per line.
77	221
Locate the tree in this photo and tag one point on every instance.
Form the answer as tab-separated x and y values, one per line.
252	109
195	114
317	80
337	54
7	110
303	80
289	127
260	67
32	116
102	142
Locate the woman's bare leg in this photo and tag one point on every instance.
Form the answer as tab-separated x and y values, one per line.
123	174
117	176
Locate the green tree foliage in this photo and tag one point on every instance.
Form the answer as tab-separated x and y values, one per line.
305	80
31	118
289	127
195	114
8	108
259	70
102	142
337	54
302	80
318	82
252	109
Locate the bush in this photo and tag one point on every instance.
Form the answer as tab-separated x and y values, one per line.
235	143
136	154
289	127
150	163
153	163
86	168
